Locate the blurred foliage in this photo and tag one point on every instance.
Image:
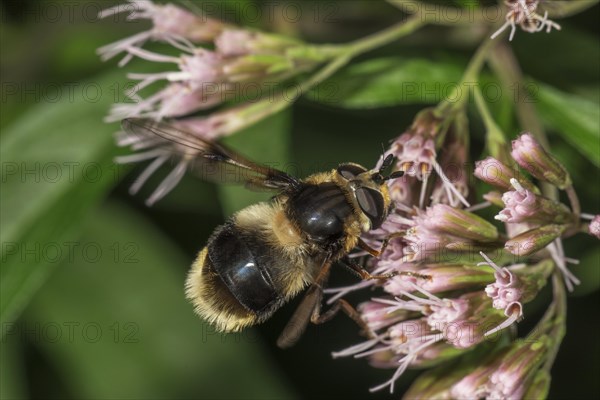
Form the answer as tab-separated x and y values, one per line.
388	82
55	171
348	117
573	117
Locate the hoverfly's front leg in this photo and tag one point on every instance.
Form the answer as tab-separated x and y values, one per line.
384	245
363	273
366	275
343	305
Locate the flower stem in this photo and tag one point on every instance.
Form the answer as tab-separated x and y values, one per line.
559	307
469	78
285	97
339	55
574	200
495	139
506	66
394	32
378	39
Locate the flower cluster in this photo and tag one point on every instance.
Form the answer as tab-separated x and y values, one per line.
218	63
535	221
455	280
203	78
497	370
524	13
416	154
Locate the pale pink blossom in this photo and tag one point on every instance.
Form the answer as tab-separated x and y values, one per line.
171	24
523	13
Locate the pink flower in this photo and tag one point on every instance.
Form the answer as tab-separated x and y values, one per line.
522	205
171	24
235	42
160	150
176	99
440	315
510	376
595	226
494	172
379	315
514	286
443	227
416	155
458	322
523	13
202	78
519	205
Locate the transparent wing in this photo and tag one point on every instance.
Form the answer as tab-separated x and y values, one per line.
210	160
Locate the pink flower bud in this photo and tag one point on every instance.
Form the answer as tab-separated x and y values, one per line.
531	156
235	42
459	223
534	240
494	172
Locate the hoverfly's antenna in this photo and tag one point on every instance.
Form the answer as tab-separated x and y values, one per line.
394	175
387	162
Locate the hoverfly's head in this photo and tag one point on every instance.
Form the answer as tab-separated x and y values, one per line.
369	189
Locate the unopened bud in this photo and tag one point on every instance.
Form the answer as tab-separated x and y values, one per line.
534	240
531	156
460	223
494	172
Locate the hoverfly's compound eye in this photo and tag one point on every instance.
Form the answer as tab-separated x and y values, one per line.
350	171
372	204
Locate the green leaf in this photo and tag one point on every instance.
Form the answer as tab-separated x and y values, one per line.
56	165
267	142
114	323
575	118
386	82
13	383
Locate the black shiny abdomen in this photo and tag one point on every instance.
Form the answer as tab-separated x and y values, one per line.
246	277
320	211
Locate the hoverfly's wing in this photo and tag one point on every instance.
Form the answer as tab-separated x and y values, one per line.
308	308
210	160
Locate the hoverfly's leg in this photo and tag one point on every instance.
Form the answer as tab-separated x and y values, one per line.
384	245
366	275
311	304
369	249
343	305
363	273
